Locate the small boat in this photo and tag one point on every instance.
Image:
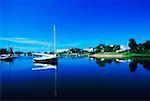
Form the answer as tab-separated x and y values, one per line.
47	58
9	56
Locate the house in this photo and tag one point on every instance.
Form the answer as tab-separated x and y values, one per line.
123	49
89	49
62	50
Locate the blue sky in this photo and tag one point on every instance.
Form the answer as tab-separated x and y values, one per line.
28	24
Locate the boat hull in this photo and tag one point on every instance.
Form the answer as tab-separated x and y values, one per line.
8	58
53	60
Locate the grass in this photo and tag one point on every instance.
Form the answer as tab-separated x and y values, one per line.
75	54
124	54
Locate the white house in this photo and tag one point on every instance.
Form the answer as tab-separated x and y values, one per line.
62	50
123	48
88	49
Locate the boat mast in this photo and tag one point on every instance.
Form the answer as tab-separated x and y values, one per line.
54	39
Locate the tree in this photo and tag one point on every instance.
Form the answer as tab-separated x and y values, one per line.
100	48
133	45
3	51
75	50
116	47
147	45
140	48
108	48
133	66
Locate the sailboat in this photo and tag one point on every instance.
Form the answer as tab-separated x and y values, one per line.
47	58
7	57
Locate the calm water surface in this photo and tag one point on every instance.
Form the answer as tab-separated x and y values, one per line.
75	78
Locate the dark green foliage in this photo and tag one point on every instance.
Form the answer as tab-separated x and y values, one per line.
141	48
100	48
3	51
116	47
146	45
75	50
133	45
108	48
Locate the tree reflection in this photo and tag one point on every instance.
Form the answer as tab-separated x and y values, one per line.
144	62
102	62
132	65
7	61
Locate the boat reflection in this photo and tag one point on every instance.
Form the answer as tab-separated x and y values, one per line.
7	61
133	63
47	66
44	66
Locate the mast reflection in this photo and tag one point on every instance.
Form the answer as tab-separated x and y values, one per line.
48	66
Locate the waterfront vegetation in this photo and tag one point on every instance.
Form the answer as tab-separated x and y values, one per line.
111	51
8	51
102	50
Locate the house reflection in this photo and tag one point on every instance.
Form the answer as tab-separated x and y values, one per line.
102	62
133	63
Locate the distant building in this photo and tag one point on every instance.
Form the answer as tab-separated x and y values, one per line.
75	50
62	50
123	49
89	49
111	45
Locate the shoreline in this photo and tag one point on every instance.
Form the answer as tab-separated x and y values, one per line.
106	56
119	55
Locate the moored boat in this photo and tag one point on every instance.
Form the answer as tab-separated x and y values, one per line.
47	58
9	56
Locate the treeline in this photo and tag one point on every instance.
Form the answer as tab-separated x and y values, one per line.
9	51
5	51
143	48
106	48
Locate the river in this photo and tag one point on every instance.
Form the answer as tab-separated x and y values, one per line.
75	78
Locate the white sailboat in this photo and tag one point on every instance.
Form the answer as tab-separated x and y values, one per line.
47	58
9	56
